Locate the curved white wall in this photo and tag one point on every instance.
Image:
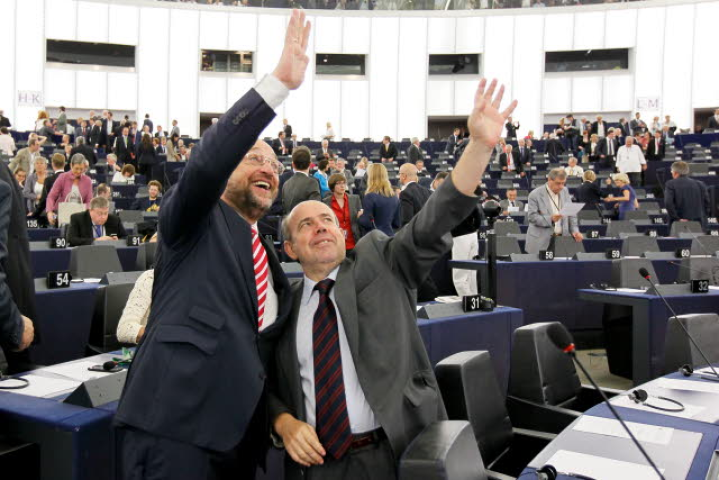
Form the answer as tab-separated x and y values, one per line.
673	58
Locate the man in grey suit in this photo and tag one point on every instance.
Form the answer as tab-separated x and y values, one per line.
25	157
545	203
301	186
511	202
352	370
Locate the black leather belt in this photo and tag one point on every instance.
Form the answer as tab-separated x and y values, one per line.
368	438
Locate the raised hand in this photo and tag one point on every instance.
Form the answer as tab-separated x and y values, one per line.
486	122
293	63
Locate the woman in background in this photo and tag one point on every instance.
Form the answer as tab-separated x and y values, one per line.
35	185
346	207
380	205
628	201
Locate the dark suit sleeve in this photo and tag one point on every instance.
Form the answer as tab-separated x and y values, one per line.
415	248
121	233
213	160
368	216
406	207
74	233
706	202
11	323
669	195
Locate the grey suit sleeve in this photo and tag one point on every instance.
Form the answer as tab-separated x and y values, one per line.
418	245
314	191
534	216
11	323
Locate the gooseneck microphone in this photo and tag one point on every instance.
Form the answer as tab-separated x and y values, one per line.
645	274
562	339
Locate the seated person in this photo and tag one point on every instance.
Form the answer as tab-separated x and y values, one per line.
96	224
152	202
572	169
132	324
112	166
127	175
511	202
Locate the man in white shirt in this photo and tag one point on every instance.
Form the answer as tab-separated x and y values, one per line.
7	143
630	160
572	169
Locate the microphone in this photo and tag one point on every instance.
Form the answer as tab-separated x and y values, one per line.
562	339
109	365
645	274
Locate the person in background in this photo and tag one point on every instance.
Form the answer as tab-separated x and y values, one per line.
147	155
321	176
438	180
25	158
685	198
7	143
35	185
42	116
95	225
73	186
388	151
131	327
126	175
628	201
61	124
589	192
380	204
151	203
572	169
346	207
329	133
20	177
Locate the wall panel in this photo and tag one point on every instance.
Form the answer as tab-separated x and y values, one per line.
470	35
153	64
383	77
621	29
60	87
92	22
588	30
499	41
412	78
182	88
123	24
528	71
355	115
29	58
91	90
243	32
678	65
441	35
648	57
355	35
558	32
705	89
61	18
214	30
328	37
122	91
7	57
586	93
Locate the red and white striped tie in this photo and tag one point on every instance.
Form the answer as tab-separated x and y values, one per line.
259	256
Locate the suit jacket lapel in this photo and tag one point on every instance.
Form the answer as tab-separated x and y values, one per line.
241	233
347	304
288	354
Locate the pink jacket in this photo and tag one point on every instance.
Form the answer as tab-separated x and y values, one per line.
62	188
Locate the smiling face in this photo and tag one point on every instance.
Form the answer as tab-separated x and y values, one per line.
316	239
252	187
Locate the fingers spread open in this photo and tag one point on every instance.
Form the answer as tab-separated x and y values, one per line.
498	99
490	91
508	111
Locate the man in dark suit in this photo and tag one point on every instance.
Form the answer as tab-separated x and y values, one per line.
607	150
685	198
4	121
525	155
124	149
511	128
656	147
599	127
95	225
148	122
279	145
413	195
82	130
454	140
17	289
387	152
87	151
194	402
287	128
108	132
554	148
571	132
637	125
349	400
712	123
509	161
414	152
300	186
324	152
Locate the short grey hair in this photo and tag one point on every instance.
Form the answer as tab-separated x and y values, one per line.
99	202
557	174
415	139
80	140
114	157
78	159
681	168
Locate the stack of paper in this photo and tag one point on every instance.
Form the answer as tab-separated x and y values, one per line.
600	468
45	387
610	427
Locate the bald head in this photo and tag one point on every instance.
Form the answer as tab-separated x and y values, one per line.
407	173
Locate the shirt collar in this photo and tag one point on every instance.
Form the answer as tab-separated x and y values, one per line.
310	285
407	184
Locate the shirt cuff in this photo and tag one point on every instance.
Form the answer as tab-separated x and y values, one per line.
272	91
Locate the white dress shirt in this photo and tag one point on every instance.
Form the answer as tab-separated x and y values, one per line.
7	145
574	171
630	160
360	413
271	300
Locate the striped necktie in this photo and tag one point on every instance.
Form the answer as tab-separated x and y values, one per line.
259	256
332	419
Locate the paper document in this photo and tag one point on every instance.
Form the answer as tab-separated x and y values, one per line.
690	411
448	299
631	290
706	386
45	387
76	371
612	428
571	209
513	209
599	468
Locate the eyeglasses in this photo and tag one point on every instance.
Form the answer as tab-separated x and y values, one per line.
260	161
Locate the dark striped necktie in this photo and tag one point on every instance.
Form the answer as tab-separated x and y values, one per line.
332	419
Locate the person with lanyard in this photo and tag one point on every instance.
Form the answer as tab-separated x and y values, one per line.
545	220
346	207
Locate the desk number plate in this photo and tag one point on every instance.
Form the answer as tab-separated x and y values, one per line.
471	303
58	279
700	286
134	240
546	255
58	242
613	254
